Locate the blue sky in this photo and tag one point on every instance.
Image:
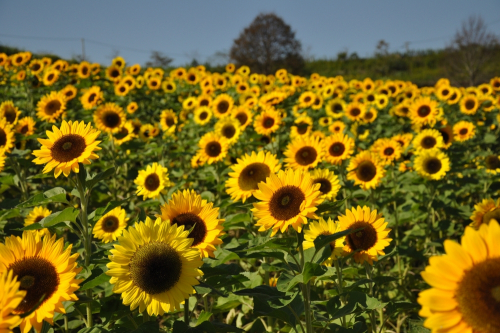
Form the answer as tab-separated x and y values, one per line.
199	28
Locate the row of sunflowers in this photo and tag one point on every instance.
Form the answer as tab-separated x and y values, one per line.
144	200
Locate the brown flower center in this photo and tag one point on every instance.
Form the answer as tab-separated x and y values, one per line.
285	202
470	104
68	147
432	165
325	186
222	107
302	128
228	131
306	155
252	175
366	171
213	149
492	162
268	122
463	131
52	107
337	149
110	223
111	119
355	112
423	111
3	137
203	115
92	97
152	182
428	142
389	151
242	118
364	239
189	220
10	114
170	121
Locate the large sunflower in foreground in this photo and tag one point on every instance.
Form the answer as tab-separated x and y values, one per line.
485	211
338	147
10	298
432	164
213	147
111	225
51	106
73	143
329	183
371	240
428	139
249	172
7	138
44	267
109	118
465	284
152	181
322	227
154	267
188	209
304	153
287	199
366	170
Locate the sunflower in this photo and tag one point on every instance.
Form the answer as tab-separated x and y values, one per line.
432	164
371	241
355	111
213	147
154	83
148	131
492	164
26	126
36	66
111	225
465	284
329	183
306	99
428	139
113	73
132	107
92	97
222	105
50	76
109	118
152	181
10	298
447	135
485	212
337	127
43	267
84	70
36	215
10	112
125	134
6	136
154	266
444	92
370	115
404	139
248	172
302	127
464	130
228	128
121	89
69	92
244	116
202	115
188	209
2	159
168	121
322	227
66	147
51	106
288	198
403	109
338	147
469	104
267	122
389	151
366	170
424	111
335	108
304	153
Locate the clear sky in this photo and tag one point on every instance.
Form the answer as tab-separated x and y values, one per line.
188	29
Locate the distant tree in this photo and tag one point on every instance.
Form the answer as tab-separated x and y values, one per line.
471	51
382	48
382	57
158	59
267	45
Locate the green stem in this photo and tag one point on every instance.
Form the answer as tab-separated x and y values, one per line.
340	289
145	316
22	179
306	292
369	275
396	217
186	311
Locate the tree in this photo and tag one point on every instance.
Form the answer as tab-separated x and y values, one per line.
267	45
471	51
158	59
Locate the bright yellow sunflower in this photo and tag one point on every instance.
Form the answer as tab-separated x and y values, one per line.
432	164
267	122
125	134
10	298
188	209
109	118
388	150
43	267
228	128
485	211
121	89
366	170
113	73
371	241
324	228
464	130
213	147
92	97
469	104
10	112
304	153
132	107
154	267
335	108
152	181
329	183
424	111
303	126
148	131
168	120
306	99
69	92
338	147
111	225
222	105
248	172
337	127
447	135
50	76
73	143
51	106
465	284
2	159
36	215
202	115
428	139
355	111
7	138
84	70
288	198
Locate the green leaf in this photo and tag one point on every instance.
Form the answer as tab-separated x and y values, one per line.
490	138
204	316
99	212
100	176
67	215
94	329
96	281
311	270
57	194
148	327
324	240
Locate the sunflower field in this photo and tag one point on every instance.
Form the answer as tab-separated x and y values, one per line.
144	200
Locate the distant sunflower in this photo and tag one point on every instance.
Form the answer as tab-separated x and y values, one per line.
248	172
365	170
337	127
148	131
213	147
267	122
109	118
205	100
188	209
152	181
428	139
324	228
465	284
492	164
121	89
444	92
84	70
244	116
432	164
69	92
36	66
306	99
424	111
304	153
335	108
168	120
189	103
132	107
125	134
50	76
202	115
288	198
469	104
228	128
6	136
455	96
485	211
447	135
118	61
10	299
338	147
403	109
10	112
404	140
329	183
73	143
371	241
370	115
36	215
222	105
43	266
51	106
154	267
355	111
389	151
113	73
92	97
302	127
325	121
464	130
154	83
111	225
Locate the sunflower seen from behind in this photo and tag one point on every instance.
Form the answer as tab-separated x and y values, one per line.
365	170
111	225
324	228
188	209
248	172
66	147
465	284
43	267
154	267
10	298
287	199
304	153
371	240
152	181
432	164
